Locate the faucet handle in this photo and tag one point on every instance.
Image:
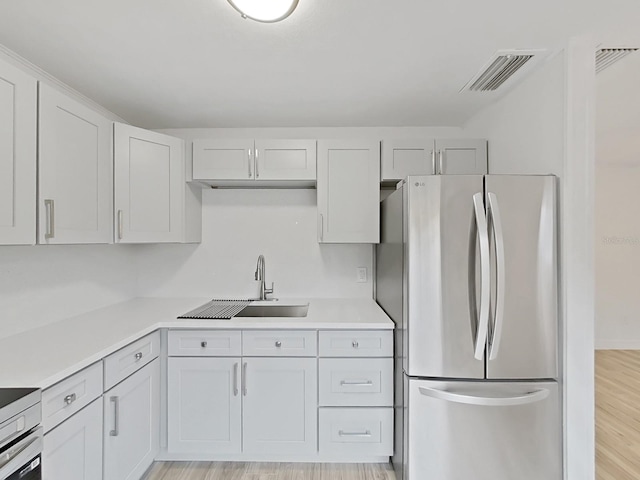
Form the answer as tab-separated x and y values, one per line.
269	291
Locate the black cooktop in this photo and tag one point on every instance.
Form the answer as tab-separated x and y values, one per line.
10	395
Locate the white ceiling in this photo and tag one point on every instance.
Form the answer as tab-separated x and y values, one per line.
197	63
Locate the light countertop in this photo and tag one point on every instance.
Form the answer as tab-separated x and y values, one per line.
45	355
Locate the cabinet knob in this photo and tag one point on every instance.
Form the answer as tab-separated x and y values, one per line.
138	355
278	344
203	344
355	344
69	399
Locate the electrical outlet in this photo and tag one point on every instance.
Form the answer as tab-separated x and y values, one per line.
361	273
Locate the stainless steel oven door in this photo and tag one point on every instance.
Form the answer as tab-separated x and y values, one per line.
21	460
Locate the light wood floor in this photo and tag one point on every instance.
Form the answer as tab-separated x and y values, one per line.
617	414
268	471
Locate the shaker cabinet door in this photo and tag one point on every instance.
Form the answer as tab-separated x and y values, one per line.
149	186
401	158
348	191
73	450
18	113
75	175
132	424
223	159
461	157
205	405
285	160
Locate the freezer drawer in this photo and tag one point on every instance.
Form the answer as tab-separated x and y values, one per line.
483	431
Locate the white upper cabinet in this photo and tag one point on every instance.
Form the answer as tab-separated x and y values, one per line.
460	156
18	113
75	182
348	191
223	160
427	156
242	162
153	203
401	158
285	160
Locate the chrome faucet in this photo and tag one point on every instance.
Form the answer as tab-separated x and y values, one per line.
264	291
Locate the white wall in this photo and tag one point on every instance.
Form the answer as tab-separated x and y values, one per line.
617	238
526	128
44	284
239	225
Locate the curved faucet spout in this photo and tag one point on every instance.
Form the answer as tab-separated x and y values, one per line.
259	276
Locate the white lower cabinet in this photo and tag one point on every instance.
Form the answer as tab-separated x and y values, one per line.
280	405
357	431
205	405
73	450
132	424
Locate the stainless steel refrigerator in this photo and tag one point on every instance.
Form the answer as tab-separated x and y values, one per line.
467	268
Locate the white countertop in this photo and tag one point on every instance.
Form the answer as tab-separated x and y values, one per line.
45	355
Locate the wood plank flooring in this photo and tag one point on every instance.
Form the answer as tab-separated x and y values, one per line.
617	414
268	471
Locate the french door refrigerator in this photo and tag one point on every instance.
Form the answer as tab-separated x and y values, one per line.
467	269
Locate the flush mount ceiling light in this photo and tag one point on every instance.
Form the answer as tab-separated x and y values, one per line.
267	11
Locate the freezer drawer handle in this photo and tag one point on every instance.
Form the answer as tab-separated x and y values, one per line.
485	277
471	399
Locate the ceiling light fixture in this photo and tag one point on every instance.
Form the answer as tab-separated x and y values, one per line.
267	11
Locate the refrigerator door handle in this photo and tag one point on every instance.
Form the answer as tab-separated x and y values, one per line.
485	276
493	401
498	321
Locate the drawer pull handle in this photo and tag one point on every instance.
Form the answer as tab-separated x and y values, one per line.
138	356
355	344
278	344
360	384
366	433
69	399
203	344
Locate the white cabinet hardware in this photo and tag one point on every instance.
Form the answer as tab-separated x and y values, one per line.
50	219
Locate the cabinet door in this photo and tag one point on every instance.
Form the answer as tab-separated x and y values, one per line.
401	158
280	405
223	159
73	450
149	186
348	191
460	156
132	424
75	183
285	159
205	406
17	157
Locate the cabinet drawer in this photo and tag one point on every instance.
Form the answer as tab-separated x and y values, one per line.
124	362
65	398
366	431
205	343
356	343
356	382
279	343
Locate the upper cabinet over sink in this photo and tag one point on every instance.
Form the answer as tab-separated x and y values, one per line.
242	162
75	171
18	112
153	202
429	156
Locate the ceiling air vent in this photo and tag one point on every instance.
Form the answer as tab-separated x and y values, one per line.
605	57
503	66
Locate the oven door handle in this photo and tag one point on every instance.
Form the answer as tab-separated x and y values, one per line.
21	453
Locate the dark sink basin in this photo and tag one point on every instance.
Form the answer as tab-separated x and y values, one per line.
274	311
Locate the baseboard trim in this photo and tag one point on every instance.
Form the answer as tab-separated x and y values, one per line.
164	456
618	344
